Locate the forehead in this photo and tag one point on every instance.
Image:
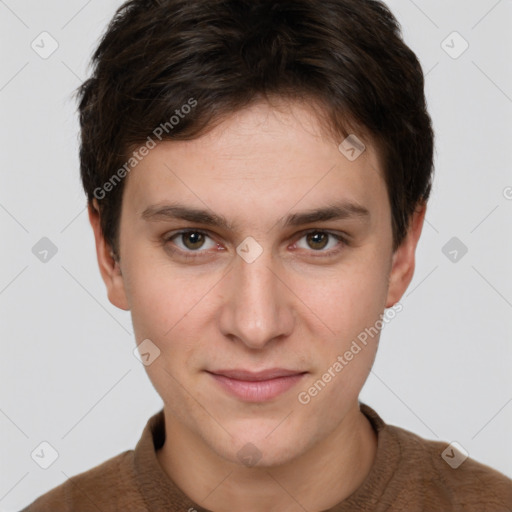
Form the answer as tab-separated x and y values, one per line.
260	155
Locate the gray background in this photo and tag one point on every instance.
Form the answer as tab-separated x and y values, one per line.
68	374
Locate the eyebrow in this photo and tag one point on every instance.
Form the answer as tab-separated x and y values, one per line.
173	211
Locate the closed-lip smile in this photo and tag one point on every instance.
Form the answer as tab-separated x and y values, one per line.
258	386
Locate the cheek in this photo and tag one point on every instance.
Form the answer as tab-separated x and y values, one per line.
153	304
158	294
165	314
350	300
172	308
351	305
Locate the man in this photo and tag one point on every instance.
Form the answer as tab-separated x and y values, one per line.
257	175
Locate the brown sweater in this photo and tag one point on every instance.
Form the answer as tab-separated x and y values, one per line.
409	475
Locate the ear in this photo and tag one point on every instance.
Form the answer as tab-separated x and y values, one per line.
403	259
109	267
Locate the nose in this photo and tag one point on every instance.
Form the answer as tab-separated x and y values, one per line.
258	307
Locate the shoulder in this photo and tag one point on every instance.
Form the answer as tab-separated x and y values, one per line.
105	487
450	475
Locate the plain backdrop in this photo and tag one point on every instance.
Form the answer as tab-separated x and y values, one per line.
68	374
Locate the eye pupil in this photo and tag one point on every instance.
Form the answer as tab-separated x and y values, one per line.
314	237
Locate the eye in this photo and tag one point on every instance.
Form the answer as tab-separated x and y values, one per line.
194	243
318	240
191	241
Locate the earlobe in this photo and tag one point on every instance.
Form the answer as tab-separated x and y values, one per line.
109	268
403	260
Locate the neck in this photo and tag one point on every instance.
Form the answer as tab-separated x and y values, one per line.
317	479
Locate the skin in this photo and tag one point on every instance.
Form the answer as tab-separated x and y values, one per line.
290	308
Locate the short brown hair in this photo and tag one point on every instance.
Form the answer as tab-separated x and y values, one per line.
347	56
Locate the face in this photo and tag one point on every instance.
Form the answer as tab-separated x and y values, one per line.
276	284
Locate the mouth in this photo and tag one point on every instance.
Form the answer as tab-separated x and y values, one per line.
259	386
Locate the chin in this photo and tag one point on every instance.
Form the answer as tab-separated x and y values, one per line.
261	450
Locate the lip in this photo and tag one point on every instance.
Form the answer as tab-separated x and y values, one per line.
257	386
270	373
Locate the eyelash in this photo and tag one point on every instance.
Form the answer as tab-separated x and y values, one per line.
200	253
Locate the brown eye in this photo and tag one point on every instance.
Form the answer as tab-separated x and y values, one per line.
193	240
317	240
322	242
190	241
